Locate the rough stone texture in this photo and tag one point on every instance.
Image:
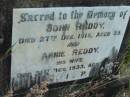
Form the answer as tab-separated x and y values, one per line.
6	7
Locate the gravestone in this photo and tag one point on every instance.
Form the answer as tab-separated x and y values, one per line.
6	25
64	44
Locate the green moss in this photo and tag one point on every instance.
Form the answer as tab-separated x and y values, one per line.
125	64
129	85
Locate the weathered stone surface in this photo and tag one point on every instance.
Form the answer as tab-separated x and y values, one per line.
6	7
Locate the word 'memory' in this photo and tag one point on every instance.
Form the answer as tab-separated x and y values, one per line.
101	14
84	51
26	17
53	55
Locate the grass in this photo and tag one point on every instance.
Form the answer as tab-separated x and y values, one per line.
72	91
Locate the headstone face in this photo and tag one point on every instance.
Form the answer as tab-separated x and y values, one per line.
64	43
